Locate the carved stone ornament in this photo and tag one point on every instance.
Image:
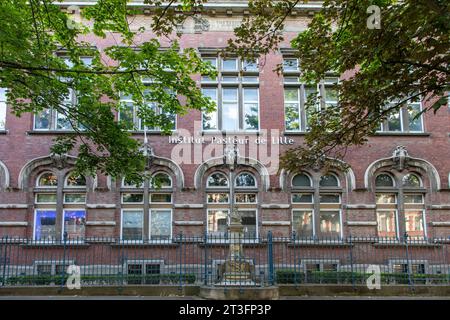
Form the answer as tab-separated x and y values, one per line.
400	157
201	24
59	160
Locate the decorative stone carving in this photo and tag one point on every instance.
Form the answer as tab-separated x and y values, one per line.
201	24
59	160
400	157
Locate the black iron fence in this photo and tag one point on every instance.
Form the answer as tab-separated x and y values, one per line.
206	260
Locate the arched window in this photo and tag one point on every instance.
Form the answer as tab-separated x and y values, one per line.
134	227
329	180
218	205
412	181
401	209
301	180
73	180
72	200
161	180
384	180
307	222
217	179
246	180
47	179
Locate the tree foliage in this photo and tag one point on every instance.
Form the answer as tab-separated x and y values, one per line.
37	38
407	58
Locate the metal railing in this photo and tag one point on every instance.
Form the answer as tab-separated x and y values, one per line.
205	260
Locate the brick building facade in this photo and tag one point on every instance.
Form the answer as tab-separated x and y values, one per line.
398	182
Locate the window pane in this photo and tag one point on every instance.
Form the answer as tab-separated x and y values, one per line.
415	124
126	115
413	198
161	180
161	197
386	198
330	224
394	122
75	198
218	198
302	223
301	180
42	120
414	223
248	219
75	181
249	66
74	223
384	180
229	79
45	227
330	198
132	198
292	116
291	79
245	180
250	79
217	180
328	181
62	122
386	222
48	179
290	65
161	222
291	95
302	198
229	64
331	96
251	109
245	198
212	61
230	111
46	198
217	222
411	180
132	224
210	119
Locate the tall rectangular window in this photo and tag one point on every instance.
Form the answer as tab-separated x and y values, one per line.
132	224
408	118
2	108
302	100
45	225
387	224
330	223
217	222
160	224
75	223
236	94
302	223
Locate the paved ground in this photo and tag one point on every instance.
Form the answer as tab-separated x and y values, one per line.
197	298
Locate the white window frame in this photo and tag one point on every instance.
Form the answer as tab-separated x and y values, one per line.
153	193
332	174
150	211
74	187
35	219
39	203
121	225
131	203
300	187
39	178
397	228
218	187
302	203
250	203
245	187
341	227
227	210
424	221
64	215
258	102
69	203
217	203
162	187
313	220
